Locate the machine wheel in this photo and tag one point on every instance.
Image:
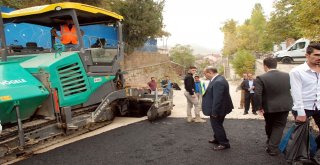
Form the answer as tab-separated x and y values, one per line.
152	114
168	112
286	60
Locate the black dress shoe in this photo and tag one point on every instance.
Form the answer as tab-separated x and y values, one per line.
271	152
267	142
220	147
245	113
255	113
213	141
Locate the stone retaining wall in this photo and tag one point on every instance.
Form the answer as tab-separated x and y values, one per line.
140	67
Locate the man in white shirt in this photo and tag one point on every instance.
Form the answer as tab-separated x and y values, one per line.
305	86
248	86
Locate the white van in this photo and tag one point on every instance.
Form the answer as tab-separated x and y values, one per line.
295	52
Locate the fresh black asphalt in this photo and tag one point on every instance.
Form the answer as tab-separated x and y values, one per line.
169	141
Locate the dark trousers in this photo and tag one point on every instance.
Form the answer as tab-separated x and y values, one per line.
219	133
315	115
275	124
248	100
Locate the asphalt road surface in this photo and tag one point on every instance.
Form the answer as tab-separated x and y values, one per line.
167	141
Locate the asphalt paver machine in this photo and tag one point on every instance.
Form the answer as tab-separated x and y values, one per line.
56	90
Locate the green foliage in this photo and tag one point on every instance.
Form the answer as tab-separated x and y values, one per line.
246	37
252	33
307	18
182	54
203	65
230	31
243	62
249	36
142	20
290	19
259	22
294	19
281	25
221	70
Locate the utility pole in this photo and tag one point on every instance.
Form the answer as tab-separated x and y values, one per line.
226	67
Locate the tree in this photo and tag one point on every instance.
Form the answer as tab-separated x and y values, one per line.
251	35
142	20
201	66
243	62
221	69
307	18
182	54
281	25
229	43
258	21
246	37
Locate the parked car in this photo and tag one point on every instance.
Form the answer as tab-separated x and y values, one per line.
295	52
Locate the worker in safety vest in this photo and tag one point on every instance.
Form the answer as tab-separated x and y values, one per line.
68	33
200	88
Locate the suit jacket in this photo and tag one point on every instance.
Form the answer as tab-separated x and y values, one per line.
216	100
272	92
245	85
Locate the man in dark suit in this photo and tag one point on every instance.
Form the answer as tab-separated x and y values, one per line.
248	86
273	100
217	103
245	76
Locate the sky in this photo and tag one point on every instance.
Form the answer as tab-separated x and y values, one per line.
198	22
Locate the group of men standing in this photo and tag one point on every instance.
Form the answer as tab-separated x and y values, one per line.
277	93
273	94
166	85
193	94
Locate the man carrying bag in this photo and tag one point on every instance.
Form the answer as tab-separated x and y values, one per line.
305	87
298	145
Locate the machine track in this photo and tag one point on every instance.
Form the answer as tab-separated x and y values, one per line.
11	130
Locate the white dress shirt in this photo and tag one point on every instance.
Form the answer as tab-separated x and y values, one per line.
305	89
250	86
210	82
